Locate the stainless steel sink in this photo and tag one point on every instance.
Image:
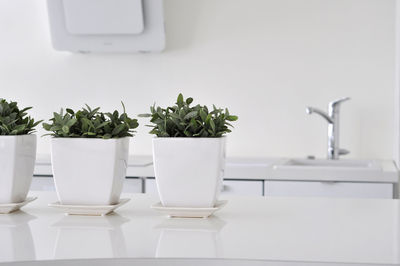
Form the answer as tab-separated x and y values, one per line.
348	164
328	170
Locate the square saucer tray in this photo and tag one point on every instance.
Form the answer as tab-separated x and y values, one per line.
92	210
187	212
12	207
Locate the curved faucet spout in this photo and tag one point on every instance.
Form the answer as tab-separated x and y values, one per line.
332	116
310	110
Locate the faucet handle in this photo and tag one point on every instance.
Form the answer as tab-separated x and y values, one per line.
336	103
333	107
343	151
339	101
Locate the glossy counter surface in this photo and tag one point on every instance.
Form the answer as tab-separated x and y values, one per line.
289	229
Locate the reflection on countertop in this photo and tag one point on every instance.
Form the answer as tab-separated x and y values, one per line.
77	235
256	228
190	238
16	242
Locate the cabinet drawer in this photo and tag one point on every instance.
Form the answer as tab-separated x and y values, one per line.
132	185
242	187
151	186
42	184
230	187
328	189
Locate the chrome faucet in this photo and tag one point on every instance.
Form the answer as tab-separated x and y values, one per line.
333	127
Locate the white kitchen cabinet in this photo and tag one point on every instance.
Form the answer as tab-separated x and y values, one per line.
42	184
151	186
230	187
328	189
242	187
132	185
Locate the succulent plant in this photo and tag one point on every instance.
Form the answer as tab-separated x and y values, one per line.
183	120
91	123
14	121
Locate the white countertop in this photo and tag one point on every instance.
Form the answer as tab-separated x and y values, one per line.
239	168
283	229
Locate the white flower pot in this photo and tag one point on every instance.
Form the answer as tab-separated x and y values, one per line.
89	171
189	171
17	162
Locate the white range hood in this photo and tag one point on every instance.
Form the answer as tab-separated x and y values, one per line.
116	26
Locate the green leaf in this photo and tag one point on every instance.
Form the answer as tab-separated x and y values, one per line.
212	124
189	100
71	122
203	115
102	124
65	129
107	136
144	115
179	100
232	118
191	115
70	111
208	119
123	107
118	129
46	126
58	118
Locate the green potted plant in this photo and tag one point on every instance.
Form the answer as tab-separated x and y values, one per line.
89	154
17	151
189	152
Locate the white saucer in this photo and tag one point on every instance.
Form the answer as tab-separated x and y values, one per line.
93	210
187	212
12	207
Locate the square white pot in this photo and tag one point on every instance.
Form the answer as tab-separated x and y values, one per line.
89	171
17	162
189	171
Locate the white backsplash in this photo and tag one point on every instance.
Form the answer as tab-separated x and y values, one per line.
266	60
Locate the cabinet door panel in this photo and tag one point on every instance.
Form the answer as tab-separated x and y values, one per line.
151	186
42	184
132	185
230	187
328	189
242	188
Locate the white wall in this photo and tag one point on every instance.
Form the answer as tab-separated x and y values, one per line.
265	59
396	141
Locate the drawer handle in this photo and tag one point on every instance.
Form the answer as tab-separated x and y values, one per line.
329	182
224	188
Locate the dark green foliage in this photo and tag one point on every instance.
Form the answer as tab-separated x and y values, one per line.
88	123
182	120
14	121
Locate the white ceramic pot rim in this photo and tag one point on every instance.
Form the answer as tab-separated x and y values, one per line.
89	139
155	137
9	136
